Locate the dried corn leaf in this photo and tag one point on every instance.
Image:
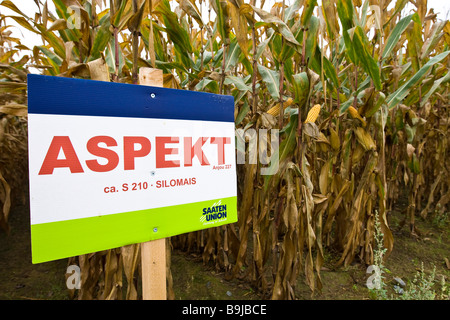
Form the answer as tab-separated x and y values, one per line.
99	70
15	109
311	130
129	256
5	200
353	228
324	178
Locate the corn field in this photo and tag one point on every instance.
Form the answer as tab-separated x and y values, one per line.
358	89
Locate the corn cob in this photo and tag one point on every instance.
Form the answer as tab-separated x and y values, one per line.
355	114
275	110
313	114
334	139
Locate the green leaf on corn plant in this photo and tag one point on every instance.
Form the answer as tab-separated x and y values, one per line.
301	88
361	46
312	38
403	91
345	13
308	9
272	80
101	40
238	82
175	31
278	24
437	84
394	36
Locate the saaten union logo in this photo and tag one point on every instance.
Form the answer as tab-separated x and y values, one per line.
216	213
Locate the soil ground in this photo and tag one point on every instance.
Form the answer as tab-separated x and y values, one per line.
20	279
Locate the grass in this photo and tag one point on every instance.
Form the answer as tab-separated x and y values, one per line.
19	278
424	285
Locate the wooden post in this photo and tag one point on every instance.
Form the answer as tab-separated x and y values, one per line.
153	253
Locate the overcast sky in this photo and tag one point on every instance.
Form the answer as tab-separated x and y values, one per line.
441	7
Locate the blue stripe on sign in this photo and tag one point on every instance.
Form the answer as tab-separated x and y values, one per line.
66	96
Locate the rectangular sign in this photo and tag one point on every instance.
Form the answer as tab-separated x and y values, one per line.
114	164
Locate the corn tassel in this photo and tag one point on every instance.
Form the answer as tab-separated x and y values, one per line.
275	110
313	114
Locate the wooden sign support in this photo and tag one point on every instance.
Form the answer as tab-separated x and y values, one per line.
153	253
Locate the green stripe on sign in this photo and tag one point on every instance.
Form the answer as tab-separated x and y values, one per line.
62	239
